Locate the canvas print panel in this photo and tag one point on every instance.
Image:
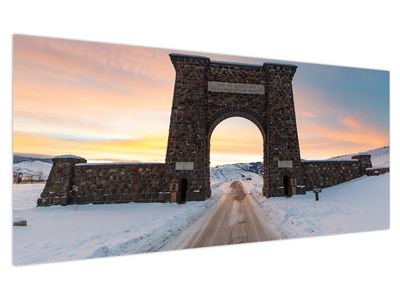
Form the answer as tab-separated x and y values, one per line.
124	149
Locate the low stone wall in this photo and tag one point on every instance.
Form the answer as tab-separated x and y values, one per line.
58	188
73	181
326	173
119	183
376	171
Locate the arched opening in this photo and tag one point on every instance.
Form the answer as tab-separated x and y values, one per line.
237	151
286	186
183	185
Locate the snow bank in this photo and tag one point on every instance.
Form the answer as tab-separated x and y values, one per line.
361	204
59	233
26	195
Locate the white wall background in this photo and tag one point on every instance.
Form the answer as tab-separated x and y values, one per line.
360	266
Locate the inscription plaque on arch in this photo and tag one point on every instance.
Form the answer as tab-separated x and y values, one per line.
184	165
285	164
238	88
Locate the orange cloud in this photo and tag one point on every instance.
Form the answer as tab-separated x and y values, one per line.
324	141
326	130
150	149
351	122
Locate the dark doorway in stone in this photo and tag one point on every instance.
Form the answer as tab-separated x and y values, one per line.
183	185
286	186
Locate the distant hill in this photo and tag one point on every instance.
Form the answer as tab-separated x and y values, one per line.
380	157
225	173
255	167
39	169
20	158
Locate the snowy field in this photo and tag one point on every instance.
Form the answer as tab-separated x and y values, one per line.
60	233
361	204
26	195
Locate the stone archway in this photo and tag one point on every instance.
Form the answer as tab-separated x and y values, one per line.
207	92
246	114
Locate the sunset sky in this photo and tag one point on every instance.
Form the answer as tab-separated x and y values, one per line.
112	102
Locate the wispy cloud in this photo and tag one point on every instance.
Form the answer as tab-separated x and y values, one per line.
352	123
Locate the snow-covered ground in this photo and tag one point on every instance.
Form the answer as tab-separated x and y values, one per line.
361	204
26	195
59	233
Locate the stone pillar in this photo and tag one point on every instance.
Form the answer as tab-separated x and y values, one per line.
58	188
187	141
365	161
282	157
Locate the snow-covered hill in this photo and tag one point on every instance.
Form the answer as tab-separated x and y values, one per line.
39	169
227	173
380	157
20	158
254	167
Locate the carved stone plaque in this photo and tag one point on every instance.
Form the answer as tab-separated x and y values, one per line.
285	164
238	88
184	165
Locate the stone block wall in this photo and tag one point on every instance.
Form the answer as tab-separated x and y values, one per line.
187	137
377	171
326	173
58	188
73	181
119	183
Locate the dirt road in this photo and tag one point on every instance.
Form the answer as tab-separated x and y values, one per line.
236	218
